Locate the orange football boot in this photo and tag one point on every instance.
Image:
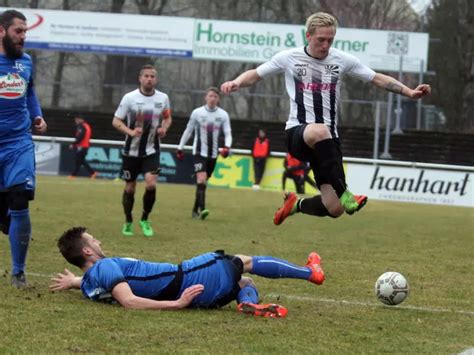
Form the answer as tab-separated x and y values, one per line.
269	310
287	209
317	273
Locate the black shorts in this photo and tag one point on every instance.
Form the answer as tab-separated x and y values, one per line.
236	267
134	166
298	148
203	164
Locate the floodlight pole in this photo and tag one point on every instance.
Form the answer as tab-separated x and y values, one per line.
388	122
376	130
418	107
398	110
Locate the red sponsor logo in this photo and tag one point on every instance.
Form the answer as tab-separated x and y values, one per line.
12	86
315	87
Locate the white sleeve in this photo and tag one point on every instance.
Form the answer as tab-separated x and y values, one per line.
227	131
357	70
123	108
273	66
188	131
167	105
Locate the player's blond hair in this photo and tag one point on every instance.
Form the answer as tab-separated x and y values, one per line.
320	19
145	67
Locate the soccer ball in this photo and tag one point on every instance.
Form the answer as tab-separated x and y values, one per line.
391	288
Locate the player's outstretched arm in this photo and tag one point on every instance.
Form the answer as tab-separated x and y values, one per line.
65	281
390	84
248	78
124	295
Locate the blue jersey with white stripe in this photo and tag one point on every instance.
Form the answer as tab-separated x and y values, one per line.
18	101
146	279
149	280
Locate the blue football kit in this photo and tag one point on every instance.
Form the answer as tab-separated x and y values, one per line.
18	108
218	272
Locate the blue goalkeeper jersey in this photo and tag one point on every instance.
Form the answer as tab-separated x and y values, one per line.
18	102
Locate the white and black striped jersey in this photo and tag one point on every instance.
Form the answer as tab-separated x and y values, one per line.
314	84
206	124
139	110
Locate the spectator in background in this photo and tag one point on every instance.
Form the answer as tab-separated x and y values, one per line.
260	153
298	171
81	146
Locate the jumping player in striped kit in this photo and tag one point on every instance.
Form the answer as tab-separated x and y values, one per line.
210	280
19	112
144	115
206	122
313	76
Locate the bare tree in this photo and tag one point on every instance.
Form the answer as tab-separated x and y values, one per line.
58	75
113	65
453	86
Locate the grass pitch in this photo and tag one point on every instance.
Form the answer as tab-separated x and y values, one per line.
431	245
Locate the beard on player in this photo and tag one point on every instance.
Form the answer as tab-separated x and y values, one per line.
13	50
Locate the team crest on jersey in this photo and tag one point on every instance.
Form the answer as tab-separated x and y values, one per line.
158	104
18	66
332	69
12	86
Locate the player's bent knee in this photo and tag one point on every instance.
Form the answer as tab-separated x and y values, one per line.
335	211
246	261
19	200
130	187
315	132
201	178
246	281
150	184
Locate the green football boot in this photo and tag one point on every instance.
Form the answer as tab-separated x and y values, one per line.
204	213
146	228
352	203
127	229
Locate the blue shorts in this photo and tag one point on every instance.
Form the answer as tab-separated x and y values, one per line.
17	165
219	273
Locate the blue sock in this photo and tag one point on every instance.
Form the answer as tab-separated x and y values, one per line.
273	268
248	294
19	234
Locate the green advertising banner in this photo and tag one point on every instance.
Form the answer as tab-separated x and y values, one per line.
236	171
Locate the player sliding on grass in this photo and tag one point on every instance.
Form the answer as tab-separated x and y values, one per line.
209	280
313	75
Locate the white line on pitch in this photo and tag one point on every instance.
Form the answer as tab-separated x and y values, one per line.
329	300
79	181
367	304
